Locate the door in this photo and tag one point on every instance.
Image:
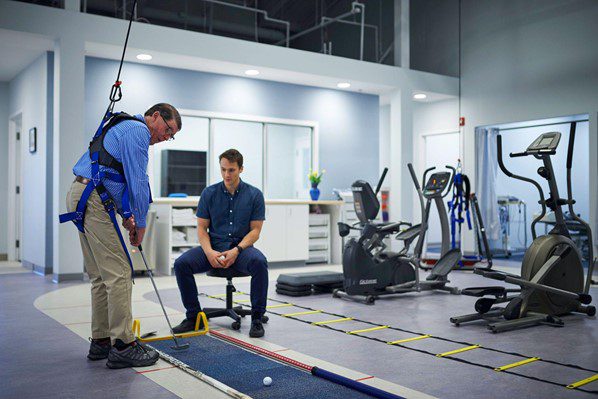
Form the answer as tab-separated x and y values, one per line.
18	181
441	150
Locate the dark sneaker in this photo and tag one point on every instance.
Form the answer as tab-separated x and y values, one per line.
136	355
257	329
186	326
99	349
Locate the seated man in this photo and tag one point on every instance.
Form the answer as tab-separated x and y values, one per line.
234	212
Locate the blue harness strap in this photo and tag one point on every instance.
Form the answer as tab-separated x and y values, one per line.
95	183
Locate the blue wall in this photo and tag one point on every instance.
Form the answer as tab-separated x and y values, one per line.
348	122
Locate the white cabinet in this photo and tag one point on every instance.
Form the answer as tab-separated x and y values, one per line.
319	238
284	236
297	232
272	238
285	233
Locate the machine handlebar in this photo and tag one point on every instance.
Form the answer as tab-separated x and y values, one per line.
381	180
413	176
518	154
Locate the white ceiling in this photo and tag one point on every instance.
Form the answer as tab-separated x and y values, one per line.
18	50
21	49
229	68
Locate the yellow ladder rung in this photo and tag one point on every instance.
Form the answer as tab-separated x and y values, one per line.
367	330
583	382
400	341
319	323
302	313
467	348
517	364
223	295
282	305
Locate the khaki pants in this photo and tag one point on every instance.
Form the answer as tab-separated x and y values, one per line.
108	268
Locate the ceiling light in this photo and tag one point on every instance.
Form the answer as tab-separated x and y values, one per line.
252	72
420	96
343	85
144	57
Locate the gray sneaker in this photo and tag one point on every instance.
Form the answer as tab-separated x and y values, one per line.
136	355
98	350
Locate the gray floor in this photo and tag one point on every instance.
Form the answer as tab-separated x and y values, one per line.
42	359
428	313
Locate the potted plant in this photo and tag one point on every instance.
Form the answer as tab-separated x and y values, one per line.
315	178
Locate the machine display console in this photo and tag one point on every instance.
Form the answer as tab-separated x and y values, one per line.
546	142
436	183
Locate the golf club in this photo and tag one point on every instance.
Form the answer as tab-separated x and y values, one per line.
176	346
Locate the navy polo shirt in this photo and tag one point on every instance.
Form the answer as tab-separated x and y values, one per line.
230	215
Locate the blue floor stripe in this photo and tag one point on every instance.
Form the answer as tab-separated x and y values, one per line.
245	371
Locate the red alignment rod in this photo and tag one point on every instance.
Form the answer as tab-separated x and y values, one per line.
262	351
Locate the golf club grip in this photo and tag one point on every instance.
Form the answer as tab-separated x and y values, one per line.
140	249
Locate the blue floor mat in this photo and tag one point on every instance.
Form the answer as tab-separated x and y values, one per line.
245	371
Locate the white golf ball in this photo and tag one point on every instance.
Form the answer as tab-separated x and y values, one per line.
267	381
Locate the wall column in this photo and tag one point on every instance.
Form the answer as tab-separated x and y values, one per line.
401	153
69	144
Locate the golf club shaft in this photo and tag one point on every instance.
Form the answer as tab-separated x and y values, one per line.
157	294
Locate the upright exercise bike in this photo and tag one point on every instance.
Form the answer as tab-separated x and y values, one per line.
369	271
552	277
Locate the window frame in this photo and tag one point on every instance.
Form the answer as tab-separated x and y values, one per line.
264	121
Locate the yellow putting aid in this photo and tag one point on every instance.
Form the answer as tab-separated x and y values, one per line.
583	382
467	348
367	330
400	341
517	364
200	316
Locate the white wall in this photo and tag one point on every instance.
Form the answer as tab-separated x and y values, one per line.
538	60
28	95
430	118
3	169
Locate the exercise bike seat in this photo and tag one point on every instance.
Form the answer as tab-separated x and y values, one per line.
410	233
483	291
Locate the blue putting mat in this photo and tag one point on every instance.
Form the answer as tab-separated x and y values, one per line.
245	371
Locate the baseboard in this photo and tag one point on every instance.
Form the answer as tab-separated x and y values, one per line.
37	269
291	263
60	278
3	257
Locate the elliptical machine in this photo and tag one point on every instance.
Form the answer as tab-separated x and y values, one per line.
552	280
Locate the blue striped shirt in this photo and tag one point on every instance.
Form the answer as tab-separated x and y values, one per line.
128	142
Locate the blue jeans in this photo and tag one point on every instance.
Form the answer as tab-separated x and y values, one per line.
251	261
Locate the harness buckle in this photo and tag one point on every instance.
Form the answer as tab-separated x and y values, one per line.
108	204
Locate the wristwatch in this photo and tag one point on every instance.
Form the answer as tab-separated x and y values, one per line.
239	248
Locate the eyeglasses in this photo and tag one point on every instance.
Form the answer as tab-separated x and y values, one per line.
170	130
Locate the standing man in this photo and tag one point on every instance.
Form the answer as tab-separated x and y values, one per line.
121	150
234	213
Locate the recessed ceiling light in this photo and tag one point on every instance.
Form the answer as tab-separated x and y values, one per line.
252	72
144	57
420	96
343	85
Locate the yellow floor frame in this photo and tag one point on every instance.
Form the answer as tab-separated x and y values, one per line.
200	316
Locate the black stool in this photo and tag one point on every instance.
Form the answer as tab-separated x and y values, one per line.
235	312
